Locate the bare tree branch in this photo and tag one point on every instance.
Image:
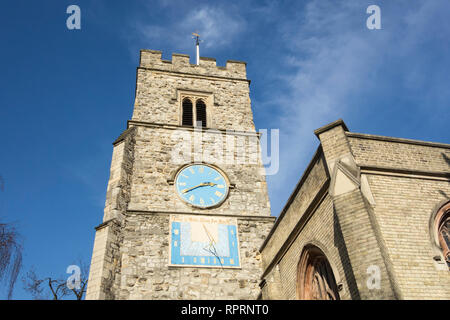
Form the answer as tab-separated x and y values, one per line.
55	288
10	256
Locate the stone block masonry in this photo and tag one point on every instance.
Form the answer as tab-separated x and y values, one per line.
131	249
159	84
145	256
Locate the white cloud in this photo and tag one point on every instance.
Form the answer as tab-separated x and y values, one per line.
330	62
334	61
217	27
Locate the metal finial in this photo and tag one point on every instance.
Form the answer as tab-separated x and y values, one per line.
196	36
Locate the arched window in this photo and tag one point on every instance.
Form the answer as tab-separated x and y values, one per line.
315	278
442	227
187	112
201	112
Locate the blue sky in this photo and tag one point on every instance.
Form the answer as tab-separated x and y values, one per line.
66	94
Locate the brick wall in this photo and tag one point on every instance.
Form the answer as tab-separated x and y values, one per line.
379	215
302	198
318	232
404	154
407	179
403	209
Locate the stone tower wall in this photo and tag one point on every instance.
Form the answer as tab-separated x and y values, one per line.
154	168
160	83
145	255
131	250
106	257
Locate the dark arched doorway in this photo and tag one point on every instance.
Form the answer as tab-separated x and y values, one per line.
315	278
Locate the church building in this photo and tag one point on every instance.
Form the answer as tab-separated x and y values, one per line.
369	219
187	213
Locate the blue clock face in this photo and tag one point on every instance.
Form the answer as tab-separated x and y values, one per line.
201	185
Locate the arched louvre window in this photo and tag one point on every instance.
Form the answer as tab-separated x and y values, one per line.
201	112
315	279
187	112
443	228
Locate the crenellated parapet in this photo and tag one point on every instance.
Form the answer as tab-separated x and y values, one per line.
152	59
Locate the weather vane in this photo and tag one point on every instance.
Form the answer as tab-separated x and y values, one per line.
196	36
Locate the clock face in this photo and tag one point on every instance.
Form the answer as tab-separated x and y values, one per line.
201	185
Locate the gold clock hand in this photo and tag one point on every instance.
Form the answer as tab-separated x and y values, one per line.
199	185
211	184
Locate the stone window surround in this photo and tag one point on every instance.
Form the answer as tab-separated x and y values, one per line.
444	244
441	217
195	96
439	214
317	249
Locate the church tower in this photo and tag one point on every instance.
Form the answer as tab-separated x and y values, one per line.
186	205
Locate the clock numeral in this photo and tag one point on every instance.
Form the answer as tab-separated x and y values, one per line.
191	198
212	200
183	175
202	202
217	178
221	186
181	183
192	170
201	169
218	193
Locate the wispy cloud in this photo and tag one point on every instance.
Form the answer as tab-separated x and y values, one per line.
335	61
329	61
217	25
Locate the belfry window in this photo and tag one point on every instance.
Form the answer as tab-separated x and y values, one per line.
187	112
194	111
201	112
443	230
